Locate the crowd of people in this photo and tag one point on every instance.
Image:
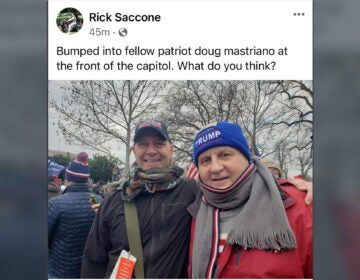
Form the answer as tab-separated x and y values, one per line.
237	219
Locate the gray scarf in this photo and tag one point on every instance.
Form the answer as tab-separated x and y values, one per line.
261	223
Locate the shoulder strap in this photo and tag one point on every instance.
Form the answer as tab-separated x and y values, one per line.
133	233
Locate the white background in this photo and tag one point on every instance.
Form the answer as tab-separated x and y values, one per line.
209	24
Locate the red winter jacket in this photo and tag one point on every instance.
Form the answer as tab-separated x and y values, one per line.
235	262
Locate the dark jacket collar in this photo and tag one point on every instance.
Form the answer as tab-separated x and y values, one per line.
77	188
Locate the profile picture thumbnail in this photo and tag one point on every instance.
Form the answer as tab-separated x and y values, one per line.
69	20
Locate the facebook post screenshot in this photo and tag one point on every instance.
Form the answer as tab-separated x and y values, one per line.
180	139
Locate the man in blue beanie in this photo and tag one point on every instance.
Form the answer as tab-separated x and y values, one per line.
69	220
245	225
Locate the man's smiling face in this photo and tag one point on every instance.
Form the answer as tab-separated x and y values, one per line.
220	167
152	150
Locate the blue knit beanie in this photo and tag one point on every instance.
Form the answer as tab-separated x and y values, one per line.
78	170
217	134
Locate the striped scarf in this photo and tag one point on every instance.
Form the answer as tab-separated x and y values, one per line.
150	180
261	223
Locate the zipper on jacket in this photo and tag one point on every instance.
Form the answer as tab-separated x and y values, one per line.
237	249
228	252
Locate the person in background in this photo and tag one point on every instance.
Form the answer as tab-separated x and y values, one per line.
245	225
98	187
53	187
61	179
115	173
297	181
274	168
69	220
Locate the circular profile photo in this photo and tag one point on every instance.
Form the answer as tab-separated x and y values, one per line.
69	20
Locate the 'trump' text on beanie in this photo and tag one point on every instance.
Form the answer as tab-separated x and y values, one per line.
217	134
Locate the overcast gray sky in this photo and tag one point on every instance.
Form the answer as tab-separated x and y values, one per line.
57	142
